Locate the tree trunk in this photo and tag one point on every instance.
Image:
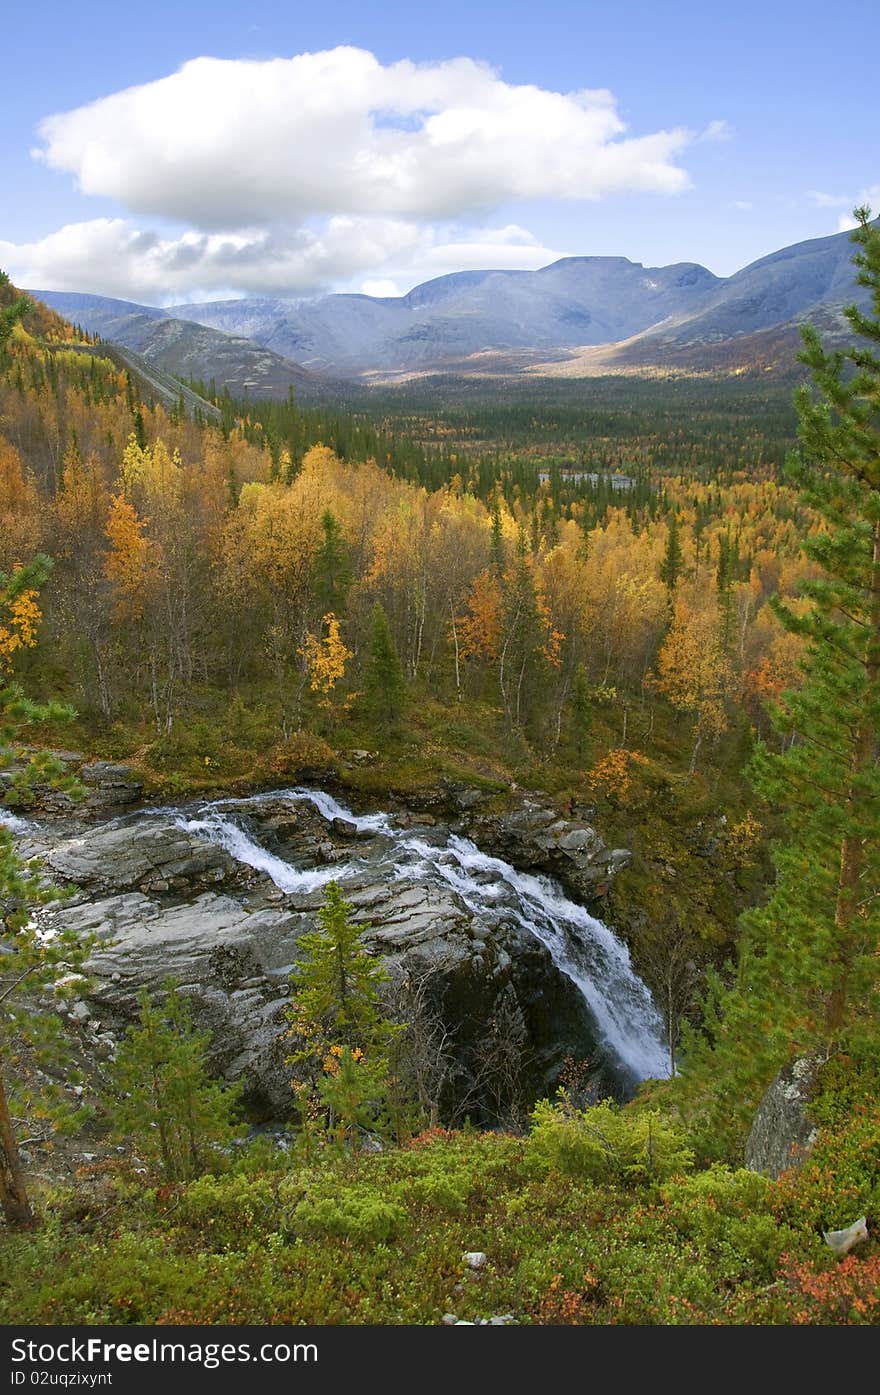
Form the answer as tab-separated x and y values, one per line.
457	657
13	1193
698	741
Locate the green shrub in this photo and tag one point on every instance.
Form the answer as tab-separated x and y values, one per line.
840	1179
607	1144
352	1213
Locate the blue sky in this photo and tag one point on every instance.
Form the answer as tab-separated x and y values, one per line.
724	133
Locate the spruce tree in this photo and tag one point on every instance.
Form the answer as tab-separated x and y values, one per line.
161	1094
13	308
337	1021
829	780
581	710
31	965
671	565
809	973
332	576
384	682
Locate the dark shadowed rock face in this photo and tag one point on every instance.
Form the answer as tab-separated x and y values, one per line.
782	1133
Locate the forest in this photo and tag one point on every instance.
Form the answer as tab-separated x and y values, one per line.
447	577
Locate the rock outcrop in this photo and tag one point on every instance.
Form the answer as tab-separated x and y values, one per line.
164	898
535	838
109	786
782	1133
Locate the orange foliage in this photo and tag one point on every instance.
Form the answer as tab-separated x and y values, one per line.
127	564
19	622
481	627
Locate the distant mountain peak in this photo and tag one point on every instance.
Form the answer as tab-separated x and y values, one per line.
575	305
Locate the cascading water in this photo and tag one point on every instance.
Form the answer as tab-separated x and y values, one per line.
585	950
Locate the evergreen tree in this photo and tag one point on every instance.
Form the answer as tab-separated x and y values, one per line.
162	1096
497	536
671	565
522	660
384	681
332	567
581	710
11	310
341	1032
30	965
809	968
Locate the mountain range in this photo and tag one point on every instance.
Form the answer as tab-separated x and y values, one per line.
580	315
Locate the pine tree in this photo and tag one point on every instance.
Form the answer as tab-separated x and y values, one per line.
337	1020
809	974
30	966
671	565
384	683
162	1096
581	710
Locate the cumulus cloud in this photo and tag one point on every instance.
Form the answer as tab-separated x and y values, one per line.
234	144
110	256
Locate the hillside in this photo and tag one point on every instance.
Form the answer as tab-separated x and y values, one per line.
183	349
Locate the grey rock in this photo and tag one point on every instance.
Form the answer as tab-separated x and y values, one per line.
782	1133
535	838
163	901
475	1259
344	828
152	855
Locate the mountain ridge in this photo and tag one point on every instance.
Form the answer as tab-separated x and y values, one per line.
602	310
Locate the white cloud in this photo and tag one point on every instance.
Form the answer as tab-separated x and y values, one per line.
718	131
742	205
110	256
380	289
869	197
235	144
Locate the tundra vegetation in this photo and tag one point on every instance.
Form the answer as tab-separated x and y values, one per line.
693	655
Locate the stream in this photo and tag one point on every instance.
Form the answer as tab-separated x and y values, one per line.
583	948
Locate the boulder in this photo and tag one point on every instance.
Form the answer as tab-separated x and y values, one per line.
110	785
782	1133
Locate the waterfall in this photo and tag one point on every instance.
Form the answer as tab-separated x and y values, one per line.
583	948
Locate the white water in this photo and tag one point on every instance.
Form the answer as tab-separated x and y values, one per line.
584	949
12	822
221	829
